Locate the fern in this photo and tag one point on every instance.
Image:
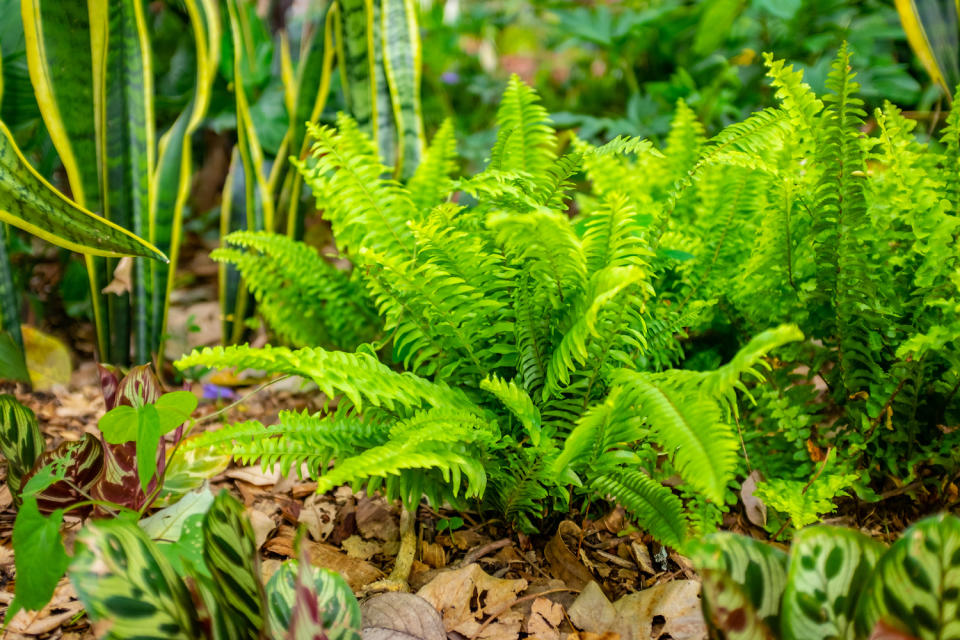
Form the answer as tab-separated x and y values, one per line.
431	181
304	298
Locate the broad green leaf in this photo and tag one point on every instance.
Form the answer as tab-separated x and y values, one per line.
148	442
123	579
829	566
20	440
916	584
175	408
12	364
231	556
167	524
306	602
43	477
189	465
746	581
40	557
31	203
119	425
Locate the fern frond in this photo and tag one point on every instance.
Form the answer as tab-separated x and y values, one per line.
518	402
555	185
431	183
796	97
607	289
550	251
364	209
687	424
304	299
684	141
525	142
358	376
655	507
623	145
612	236
841	235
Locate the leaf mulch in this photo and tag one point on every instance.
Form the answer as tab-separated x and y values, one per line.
594	578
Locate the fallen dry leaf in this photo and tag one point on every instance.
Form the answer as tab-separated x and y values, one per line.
676	603
400	616
48	359
375	519
357	547
122	278
564	565
433	554
318	514
262	524
62	606
545	618
642	555
754	508
465	597
356	572
255	476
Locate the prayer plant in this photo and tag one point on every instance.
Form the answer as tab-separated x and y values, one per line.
834	583
516	342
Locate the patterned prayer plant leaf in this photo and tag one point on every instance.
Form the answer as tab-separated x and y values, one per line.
728	612
81	464
20	440
231	556
829	566
307	602
122	578
742	598
916	584
190	465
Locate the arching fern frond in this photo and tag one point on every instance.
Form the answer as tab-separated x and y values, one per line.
431	182
518	402
655	507
358	376
525	141
304	299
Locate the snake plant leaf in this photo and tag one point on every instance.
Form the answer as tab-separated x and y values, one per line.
401	59
79	464
31	203
829	567
932	31
915	587
9	298
744	580
231	556
20	440
305	602
175	163
123	579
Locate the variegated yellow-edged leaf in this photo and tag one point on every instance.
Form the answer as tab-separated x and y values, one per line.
744	580
175	162
400	35
123	580
932	31
829	567
33	204
58	47
20	440
915	586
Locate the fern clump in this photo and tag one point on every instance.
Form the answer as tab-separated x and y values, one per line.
522	350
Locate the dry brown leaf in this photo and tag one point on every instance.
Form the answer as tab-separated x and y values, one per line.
356	572
357	547
754	508
677	603
433	554
642	555
48	359
122	278
255	476
563	564
400	616
465	597
375	519
545	618
62	606
262	524
318	513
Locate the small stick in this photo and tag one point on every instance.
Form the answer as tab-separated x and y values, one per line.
475	554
